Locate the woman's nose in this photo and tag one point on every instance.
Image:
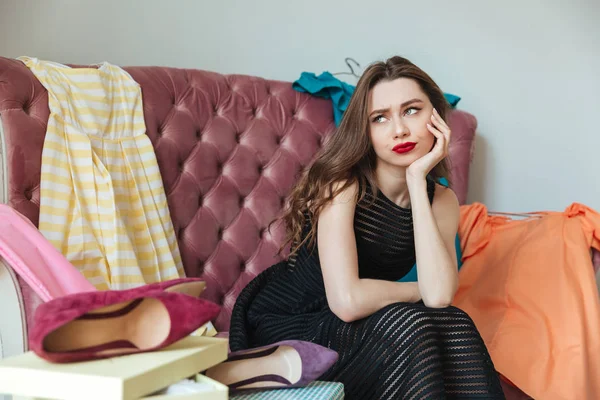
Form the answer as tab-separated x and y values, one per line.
400	128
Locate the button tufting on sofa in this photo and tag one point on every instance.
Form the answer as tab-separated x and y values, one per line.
27	108
178	111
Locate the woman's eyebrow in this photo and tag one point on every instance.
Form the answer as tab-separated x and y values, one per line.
406	103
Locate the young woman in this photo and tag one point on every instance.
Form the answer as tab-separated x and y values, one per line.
364	212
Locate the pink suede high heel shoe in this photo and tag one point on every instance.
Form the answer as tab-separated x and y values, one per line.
95	325
190	286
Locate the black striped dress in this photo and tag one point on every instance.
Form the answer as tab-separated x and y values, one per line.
403	351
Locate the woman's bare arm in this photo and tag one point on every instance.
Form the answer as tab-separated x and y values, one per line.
435	226
349	297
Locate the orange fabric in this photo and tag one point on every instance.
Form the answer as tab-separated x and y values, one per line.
530	288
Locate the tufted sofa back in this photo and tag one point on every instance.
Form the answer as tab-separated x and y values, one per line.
229	149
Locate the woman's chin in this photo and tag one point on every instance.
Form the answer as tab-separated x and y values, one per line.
402	161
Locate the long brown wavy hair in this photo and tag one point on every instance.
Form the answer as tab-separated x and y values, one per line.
348	156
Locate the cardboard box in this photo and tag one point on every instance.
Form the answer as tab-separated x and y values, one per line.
121	378
218	392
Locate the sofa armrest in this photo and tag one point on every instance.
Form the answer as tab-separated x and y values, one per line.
3	166
12	314
13	332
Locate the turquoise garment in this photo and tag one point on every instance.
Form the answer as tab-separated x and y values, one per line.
452	99
328	86
412	274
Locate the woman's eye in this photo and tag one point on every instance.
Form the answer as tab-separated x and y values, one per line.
411	111
378	118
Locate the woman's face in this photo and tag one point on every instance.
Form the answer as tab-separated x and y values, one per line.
398	113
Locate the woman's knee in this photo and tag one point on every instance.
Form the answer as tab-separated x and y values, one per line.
408	319
454	316
420	316
456	313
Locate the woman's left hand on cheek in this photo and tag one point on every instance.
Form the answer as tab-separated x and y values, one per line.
438	127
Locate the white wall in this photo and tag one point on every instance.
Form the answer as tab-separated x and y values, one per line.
529	70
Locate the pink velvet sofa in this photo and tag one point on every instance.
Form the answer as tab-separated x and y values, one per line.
229	148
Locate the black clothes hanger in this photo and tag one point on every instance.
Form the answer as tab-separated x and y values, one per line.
352	72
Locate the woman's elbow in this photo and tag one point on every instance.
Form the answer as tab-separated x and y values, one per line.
347	315
439	301
440	297
344	310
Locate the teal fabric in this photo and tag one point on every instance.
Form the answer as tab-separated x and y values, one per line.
452	99
412	274
317	390
328	86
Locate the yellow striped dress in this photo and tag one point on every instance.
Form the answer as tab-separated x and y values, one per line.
102	200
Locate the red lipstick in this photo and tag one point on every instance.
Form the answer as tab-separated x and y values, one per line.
404	147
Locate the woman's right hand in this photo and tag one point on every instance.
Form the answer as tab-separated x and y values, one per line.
420	168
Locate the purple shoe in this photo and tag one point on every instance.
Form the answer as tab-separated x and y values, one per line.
285	364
